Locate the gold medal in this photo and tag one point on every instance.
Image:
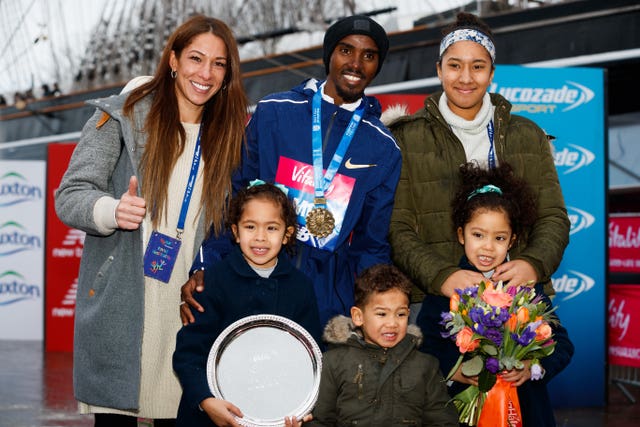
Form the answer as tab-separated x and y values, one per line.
320	222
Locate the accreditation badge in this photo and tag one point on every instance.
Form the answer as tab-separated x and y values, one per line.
160	256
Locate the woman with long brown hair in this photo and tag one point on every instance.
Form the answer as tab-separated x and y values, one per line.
151	171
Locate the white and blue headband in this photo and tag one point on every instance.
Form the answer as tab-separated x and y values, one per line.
468	34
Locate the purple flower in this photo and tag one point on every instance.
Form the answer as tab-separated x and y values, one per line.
536	371
494	335
527	336
492	365
471	292
512	290
446	316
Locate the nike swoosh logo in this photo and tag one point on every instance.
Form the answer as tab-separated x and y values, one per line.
350	165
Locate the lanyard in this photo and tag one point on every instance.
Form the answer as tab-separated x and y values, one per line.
321	184
492	153
190	183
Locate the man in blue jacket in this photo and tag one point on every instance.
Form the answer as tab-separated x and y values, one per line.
324	141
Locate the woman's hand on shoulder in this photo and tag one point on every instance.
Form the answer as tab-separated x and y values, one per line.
461	279
516	272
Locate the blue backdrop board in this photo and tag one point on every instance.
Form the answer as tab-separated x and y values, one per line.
569	103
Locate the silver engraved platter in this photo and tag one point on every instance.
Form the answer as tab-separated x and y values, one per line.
268	366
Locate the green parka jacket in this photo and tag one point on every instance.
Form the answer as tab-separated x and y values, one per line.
363	384
422	236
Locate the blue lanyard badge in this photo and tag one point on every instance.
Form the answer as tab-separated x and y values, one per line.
320	221
162	250
491	159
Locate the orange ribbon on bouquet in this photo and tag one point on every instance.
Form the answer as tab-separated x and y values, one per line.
501	407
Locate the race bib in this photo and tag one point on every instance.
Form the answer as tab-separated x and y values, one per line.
298	178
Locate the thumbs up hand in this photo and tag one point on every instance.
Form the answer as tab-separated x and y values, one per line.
131	209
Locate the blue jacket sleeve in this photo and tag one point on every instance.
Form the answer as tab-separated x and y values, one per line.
250	163
369	240
213	249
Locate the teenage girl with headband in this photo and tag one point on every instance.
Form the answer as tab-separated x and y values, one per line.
461	124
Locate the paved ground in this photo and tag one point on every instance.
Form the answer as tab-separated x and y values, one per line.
36	391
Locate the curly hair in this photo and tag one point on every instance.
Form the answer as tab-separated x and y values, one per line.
380	278
517	200
270	192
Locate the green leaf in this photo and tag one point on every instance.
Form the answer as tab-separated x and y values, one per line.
491	350
486	380
473	366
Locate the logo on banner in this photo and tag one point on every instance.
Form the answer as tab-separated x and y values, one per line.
580	220
545	99
14	288
572	157
15	238
72	245
15	189
66	307
618	318
572	283
624	244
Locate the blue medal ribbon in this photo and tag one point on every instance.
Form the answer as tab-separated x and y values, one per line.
190	184
492	153
321	183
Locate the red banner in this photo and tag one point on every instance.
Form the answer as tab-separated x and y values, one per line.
624	325
413	102
624	244
64	249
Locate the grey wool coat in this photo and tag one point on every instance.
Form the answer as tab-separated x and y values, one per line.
110	299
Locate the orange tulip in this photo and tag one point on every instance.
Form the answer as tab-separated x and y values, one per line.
523	314
454	302
543	332
512	323
465	341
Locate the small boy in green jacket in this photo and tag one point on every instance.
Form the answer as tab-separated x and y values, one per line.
373	373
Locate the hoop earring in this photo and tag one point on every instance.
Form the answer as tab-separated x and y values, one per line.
174	74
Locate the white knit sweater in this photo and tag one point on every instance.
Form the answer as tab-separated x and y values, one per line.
472	133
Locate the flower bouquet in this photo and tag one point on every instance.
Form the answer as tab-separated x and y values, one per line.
496	328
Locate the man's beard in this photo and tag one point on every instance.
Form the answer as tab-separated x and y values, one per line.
347	96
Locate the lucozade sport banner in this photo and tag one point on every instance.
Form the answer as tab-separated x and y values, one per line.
21	249
569	103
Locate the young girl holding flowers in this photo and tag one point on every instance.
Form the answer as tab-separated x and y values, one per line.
491	211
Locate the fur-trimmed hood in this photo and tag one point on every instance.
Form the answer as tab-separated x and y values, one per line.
340	328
